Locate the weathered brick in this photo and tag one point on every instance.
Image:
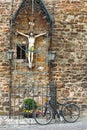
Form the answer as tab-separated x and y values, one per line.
69	41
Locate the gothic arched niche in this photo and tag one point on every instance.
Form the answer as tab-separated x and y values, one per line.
31	16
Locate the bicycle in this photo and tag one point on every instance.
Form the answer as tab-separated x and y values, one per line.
69	112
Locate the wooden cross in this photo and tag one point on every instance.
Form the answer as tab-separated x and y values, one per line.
31	23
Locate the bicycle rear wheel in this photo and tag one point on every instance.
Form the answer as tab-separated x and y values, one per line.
43	115
70	112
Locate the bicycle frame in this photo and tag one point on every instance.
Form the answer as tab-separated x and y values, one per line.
54	108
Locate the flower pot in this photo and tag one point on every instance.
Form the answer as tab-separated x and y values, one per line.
28	115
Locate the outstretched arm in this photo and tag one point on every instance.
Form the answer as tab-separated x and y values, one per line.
40	35
22	34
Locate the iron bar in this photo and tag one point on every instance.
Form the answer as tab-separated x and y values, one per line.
10	61
32	7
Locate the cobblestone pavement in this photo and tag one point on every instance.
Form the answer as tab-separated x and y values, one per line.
81	124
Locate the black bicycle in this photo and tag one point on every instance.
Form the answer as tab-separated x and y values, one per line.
69	112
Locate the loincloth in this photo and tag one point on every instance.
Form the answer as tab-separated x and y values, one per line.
31	49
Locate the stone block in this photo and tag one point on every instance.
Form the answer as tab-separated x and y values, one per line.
85	21
5	103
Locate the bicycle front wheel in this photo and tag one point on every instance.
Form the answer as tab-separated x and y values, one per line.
43	115
70	112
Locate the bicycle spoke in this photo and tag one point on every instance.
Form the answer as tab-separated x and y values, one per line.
71	112
43	115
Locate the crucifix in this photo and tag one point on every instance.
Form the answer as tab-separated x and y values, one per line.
31	40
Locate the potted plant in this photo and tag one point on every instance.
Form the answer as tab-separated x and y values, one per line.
29	106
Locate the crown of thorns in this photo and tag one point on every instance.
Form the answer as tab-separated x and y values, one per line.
31	34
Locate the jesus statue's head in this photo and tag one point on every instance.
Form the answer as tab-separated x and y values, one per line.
31	34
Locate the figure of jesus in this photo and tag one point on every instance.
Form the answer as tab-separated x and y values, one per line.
31	40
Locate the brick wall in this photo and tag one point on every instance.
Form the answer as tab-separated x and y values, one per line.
4	43
69	41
